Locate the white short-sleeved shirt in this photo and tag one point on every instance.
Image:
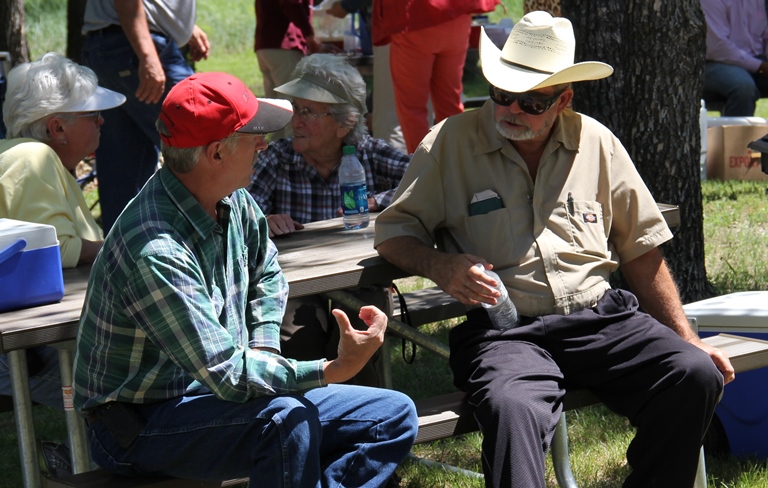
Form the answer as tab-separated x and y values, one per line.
174	18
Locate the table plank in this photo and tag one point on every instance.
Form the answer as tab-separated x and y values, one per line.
326	257
671	214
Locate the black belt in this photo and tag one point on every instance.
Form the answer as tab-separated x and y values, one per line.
110	29
115	28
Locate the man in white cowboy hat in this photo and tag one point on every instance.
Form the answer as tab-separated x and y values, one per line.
551	200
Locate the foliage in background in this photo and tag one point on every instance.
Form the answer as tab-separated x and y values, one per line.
46	26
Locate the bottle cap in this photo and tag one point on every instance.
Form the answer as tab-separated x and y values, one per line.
348	150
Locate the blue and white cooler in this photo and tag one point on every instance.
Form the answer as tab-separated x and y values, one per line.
30	265
743	410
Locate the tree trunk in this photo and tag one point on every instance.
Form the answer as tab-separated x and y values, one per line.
551	6
75	13
652	103
12	25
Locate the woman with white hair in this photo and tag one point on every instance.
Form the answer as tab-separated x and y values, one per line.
51	112
296	180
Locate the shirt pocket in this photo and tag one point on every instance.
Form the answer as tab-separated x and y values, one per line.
586	227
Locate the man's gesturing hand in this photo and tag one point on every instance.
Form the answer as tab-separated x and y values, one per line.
355	346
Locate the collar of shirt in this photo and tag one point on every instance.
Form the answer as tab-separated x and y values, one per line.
190	208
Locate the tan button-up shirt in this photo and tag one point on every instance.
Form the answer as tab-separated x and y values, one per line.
555	241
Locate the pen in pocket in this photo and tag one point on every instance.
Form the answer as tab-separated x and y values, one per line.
570	203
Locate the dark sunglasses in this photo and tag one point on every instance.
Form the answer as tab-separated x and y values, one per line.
530	103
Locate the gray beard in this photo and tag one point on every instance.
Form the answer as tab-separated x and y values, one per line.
514	135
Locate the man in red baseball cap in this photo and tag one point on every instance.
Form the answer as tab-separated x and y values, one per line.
178	350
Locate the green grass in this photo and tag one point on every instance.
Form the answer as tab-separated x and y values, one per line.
735	224
736	234
46	26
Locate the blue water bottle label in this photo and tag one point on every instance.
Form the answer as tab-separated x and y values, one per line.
355	199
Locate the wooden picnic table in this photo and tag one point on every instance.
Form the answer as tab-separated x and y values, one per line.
322	258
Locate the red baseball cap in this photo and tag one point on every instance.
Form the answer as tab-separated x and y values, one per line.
206	107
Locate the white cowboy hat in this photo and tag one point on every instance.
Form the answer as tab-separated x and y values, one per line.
539	52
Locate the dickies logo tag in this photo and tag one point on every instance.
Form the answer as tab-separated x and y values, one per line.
590	218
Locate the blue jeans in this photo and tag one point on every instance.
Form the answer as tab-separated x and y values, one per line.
340	435
739	87
44	384
128	151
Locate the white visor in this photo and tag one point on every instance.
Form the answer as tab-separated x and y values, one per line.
101	99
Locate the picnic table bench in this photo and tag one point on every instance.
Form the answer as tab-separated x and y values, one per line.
441	417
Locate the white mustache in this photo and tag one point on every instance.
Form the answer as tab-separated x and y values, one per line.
514	120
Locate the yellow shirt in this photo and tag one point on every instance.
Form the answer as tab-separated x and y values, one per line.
554	253
35	187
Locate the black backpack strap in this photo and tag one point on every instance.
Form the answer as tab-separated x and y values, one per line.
406	319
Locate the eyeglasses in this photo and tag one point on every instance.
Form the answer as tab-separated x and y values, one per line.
529	102
306	114
96	113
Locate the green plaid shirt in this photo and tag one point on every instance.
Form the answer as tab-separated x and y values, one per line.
176	301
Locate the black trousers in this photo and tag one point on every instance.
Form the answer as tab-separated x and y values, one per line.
639	368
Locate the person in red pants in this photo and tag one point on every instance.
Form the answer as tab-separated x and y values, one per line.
428	45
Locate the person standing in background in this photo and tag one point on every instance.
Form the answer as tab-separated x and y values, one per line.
428	46
736	67
133	46
385	124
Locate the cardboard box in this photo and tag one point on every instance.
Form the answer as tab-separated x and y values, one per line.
30	265
728	157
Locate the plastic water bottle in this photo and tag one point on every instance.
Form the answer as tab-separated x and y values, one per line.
351	37
354	192
504	314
